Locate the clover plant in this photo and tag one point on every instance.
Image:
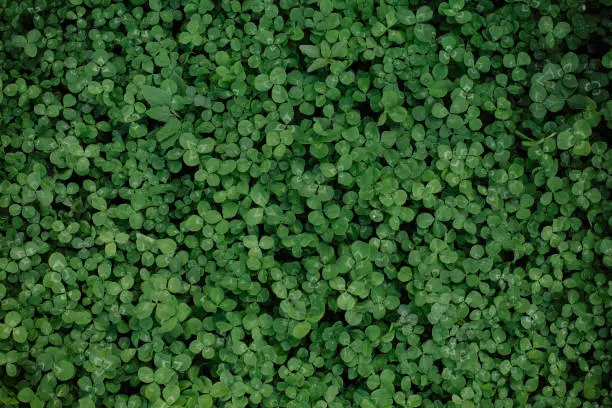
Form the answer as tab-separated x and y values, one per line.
314	203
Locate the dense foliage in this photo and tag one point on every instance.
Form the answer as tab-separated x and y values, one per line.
300	203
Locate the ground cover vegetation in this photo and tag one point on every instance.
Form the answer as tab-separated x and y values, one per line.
299	203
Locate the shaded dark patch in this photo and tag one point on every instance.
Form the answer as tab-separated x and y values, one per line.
521	262
486	118
506	256
284	255
186	171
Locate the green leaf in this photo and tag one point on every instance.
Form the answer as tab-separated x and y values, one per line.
254	216
146	375
439	111
311	51
582	148
378	29
504	109
325	50
474	299
414	401
20	41
156	96
278	76
212	217
57	261
607	60
219	390
160	113
263	83
582	129
26	395
165	311
171	394
143	310
167	246
64	370
193	223
167	134
339	49
424	220
260	195
546	24
398	114
245	127
440	88
423	14
391	98
300	330
346	301
566	140
537	93
163	375
286	113
570	62
317	64
424	32
562	29
12	319
30	50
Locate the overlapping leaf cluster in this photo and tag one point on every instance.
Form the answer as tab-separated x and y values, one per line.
347	203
